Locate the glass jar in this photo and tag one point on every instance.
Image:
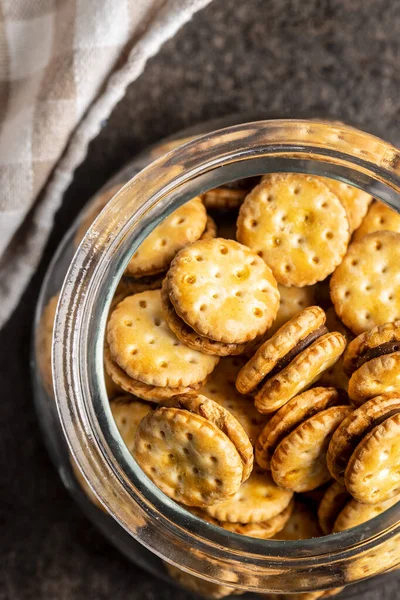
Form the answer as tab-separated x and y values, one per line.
72	401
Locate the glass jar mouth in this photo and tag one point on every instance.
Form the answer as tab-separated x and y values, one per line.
316	147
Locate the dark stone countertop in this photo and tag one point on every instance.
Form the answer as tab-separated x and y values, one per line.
338	57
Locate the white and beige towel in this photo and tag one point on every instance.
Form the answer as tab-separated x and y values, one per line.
64	64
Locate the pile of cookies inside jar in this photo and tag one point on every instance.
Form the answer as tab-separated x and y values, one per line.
252	358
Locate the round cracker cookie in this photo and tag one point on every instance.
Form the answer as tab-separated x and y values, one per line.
378	218
292	301
378	376
184	226
93	210
221	388
210	230
150	393
299	462
373	472
189	458
274	349
354	427
193	340
380	340
287	418
355	513
258	499
224	198
142	344
301	373
364	287
128	413
302	524
354	200
297	225
334	500
223	290
221	418
196	585
264	530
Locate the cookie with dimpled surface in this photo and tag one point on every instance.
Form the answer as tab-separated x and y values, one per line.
297	225
192	458
258	499
380	340
128	412
355	513
354	200
373	472
378	218
354	428
184	226
292	414
299	461
377	376
190	338
364	287
210	230
333	501
229	196
223	291
294	336
292	301
304	370
142	345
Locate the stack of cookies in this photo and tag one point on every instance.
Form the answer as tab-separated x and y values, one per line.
261	322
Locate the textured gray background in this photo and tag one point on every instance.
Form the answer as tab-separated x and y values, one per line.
339	57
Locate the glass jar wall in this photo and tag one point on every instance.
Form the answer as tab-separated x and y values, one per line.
73	401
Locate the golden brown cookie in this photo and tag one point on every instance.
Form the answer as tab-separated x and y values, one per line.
297	225
196	585
378	218
297	410
299	461
184	226
378	376
215	413
221	388
151	393
229	196
301	372
354	200
373	472
143	346
302	525
334	500
223	291
383	339
93	210
127	413
354	428
278	351
355	513
190	458
292	301
190	338
258	499
364	287
264	530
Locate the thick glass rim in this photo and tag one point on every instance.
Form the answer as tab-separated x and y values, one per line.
170	531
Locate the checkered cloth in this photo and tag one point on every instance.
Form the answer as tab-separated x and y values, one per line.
64	64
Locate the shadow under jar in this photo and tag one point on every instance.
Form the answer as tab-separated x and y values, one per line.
72	401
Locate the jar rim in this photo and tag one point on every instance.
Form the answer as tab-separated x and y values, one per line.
315	147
